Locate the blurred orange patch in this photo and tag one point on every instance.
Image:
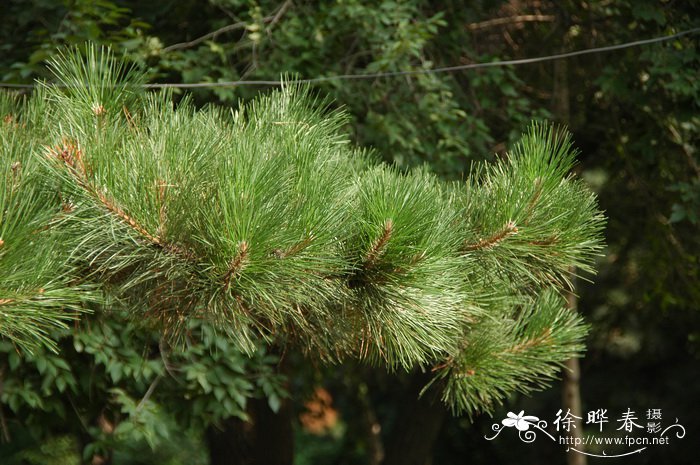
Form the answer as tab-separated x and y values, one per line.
320	416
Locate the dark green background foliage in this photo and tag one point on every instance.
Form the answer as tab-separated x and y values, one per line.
633	113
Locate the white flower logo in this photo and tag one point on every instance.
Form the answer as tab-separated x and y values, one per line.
520	421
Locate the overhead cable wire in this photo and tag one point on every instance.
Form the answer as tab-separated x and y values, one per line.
389	74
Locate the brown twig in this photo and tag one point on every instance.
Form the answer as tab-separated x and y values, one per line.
237	264
492	241
210	35
546	241
296	248
169	368
379	245
509	39
678	139
532	342
148	394
272	19
280	12
129	118
533	200
71	156
510	20
447	363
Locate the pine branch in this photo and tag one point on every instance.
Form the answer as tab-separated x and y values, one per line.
296	248
546	241
530	209
387	275
39	291
379	245
72	158
542	339
237	264
508	230
162	210
520	352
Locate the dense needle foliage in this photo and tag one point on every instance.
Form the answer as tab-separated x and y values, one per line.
38	289
267	223
633	113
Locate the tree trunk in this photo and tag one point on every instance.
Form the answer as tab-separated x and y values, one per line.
571	392
417	425
571	395
267	439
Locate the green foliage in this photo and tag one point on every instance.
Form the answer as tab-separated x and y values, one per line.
445	120
546	219
520	350
61	450
632	112
526	248
38	290
267	224
50	24
118	387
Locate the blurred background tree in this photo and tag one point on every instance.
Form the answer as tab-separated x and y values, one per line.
634	114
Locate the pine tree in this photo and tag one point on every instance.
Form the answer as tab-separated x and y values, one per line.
267	223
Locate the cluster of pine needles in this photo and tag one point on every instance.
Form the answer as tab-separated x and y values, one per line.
269	224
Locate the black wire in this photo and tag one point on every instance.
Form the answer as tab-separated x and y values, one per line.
446	69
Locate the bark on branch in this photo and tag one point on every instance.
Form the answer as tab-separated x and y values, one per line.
508	230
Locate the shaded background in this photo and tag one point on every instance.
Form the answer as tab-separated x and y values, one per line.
634	116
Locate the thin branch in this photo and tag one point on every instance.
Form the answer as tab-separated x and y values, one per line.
148	394
210	35
129	118
546	241
532	342
678	139
530	210
166	362
670	235
272	19
71	156
447	363
510	20
509	39
237	264
411	72
296	248
379	246
509	230
280	12
77	413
